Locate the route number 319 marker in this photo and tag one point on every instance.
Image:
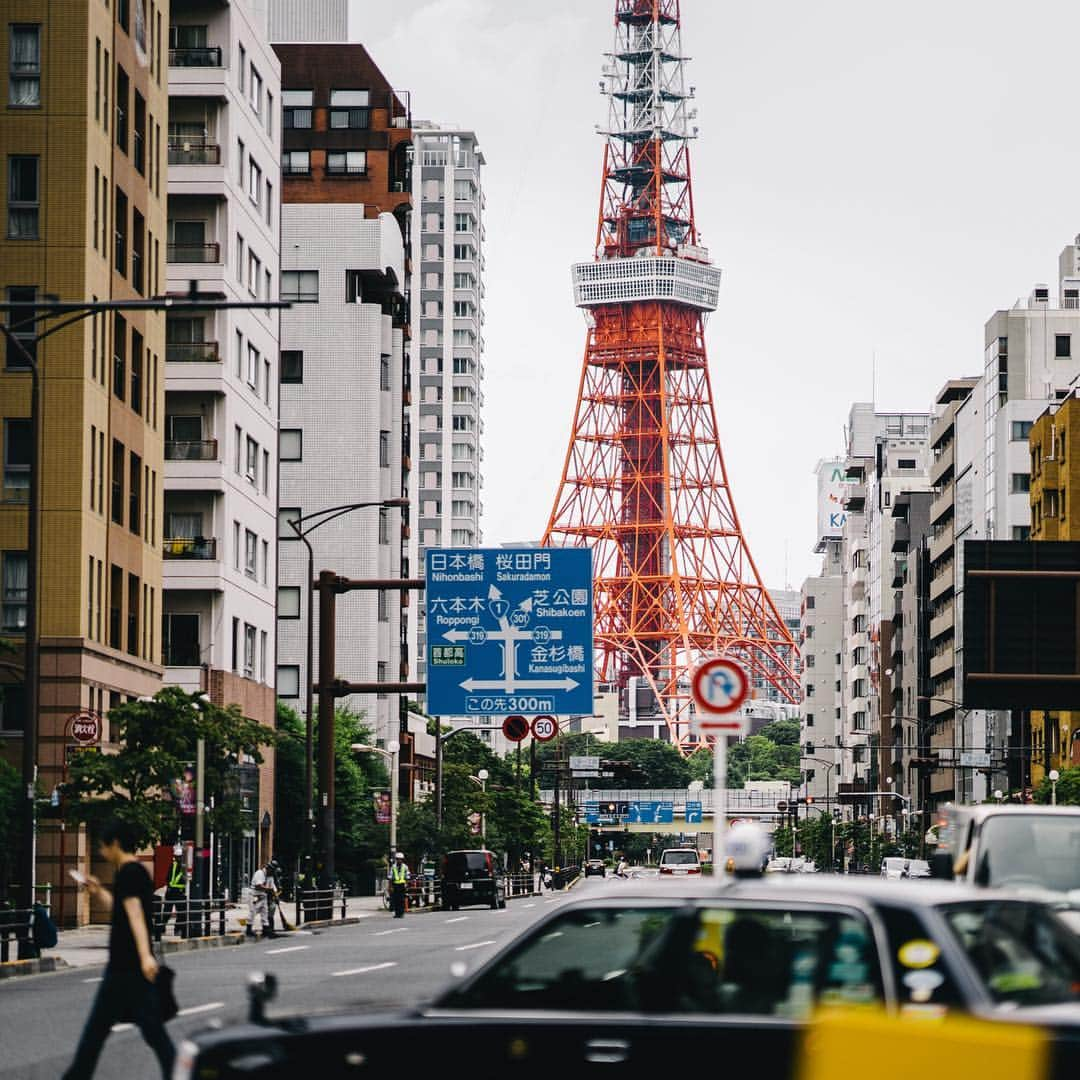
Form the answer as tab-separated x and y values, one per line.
719	687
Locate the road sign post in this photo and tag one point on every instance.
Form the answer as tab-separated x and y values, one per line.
719	687
509	631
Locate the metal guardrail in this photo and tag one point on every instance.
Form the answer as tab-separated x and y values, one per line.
318	904
191	918
16	924
426	892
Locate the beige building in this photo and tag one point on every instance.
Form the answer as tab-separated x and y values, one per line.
84	186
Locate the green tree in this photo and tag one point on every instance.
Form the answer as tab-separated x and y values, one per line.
361	845
290	815
157	741
782	732
1068	788
649	763
10	840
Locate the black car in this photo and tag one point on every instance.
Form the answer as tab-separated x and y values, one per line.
594	868
687	971
472	877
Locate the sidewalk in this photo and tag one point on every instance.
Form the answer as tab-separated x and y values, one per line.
89	945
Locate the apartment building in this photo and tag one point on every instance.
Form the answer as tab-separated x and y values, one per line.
221	377
448	328
345	376
83	134
1055	515
309	20
887	453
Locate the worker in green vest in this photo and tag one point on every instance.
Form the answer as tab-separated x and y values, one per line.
399	880
175	895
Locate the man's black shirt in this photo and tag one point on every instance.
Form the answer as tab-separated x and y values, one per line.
132	879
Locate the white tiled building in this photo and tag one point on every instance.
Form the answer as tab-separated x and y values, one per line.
341	438
221	371
448	347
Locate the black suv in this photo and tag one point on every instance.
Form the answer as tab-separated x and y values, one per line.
472	877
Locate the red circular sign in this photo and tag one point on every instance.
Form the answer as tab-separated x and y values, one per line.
545	728
515	728
85	728
719	687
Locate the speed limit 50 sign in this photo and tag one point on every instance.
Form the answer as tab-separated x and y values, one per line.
545	728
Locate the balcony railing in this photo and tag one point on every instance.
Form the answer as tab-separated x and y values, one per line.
206	450
346	170
186	655
15	493
288	169
205	57
194	253
188	547
192	352
189	153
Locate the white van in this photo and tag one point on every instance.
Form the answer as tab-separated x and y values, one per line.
680	861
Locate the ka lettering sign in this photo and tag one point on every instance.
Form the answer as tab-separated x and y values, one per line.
509	630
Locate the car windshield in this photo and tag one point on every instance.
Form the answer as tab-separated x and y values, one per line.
1030	849
679	858
1023	954
716	960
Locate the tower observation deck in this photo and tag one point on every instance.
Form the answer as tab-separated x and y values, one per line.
644	483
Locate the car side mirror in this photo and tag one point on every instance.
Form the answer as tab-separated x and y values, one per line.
941	865
262	988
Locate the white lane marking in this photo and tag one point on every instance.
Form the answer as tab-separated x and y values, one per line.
122	1027
290	948
396	930
193	1010
475	945
460	918
363	970
555	901
99	978
528	905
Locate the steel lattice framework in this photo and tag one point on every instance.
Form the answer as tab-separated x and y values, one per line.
644	482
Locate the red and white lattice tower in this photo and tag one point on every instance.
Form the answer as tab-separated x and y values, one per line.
644	483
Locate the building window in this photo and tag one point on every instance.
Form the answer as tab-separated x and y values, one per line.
252	461
1021	532
122	94
1020	431
139	141
296	106
1019	483
288	602
384	448
285	515
255	90
254	268
300	285
264	643
346	163
133	615
235	644
809	719
265	561
120	227
116	601
292	366
384	606
252	367
117	506
254	181
349	108
384	525
24	198
134	492
288	681
905	463
15	584
1062	345
291	447
251	554
136	372
24	71
138	244
119	355
296	163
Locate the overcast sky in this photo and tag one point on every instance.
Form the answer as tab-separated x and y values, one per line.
873	179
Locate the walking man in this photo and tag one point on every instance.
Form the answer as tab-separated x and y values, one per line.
262	889
127	991
399	880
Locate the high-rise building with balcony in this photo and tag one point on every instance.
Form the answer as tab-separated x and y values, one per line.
345	367
448	331
83	137
221	376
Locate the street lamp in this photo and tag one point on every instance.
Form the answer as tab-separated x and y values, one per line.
303	526
1054	776
481	778
391	754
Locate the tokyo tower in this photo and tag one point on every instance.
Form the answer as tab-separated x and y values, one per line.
644	483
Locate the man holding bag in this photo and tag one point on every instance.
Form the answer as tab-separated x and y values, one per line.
128	991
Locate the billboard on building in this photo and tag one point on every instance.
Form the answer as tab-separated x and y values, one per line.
832	483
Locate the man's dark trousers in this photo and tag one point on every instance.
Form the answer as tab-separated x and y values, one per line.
397	900
123	996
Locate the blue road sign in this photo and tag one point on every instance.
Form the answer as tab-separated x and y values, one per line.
509	630
633	813
693	813
648	812
665	813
